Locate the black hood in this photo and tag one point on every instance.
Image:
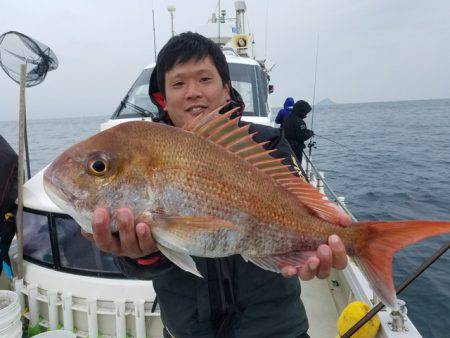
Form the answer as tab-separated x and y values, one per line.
158	99
301	108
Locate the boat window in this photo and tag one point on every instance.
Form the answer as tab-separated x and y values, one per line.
263	86
138	97
36	237
55	240
75	252
251	83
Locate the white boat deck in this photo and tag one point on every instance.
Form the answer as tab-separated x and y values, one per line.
320	308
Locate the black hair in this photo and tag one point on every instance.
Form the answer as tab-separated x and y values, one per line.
184	47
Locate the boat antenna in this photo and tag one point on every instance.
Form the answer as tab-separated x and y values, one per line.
267	19
311	142
171	9
315	82
154	32
218	22
403	286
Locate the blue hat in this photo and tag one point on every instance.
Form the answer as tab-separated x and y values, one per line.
289	104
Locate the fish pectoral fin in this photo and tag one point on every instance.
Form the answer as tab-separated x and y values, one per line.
182	260
275	263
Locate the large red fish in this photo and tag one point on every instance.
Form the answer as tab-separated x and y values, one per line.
210	190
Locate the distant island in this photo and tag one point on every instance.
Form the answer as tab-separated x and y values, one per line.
326	102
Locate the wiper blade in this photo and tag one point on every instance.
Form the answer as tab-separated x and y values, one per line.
141	111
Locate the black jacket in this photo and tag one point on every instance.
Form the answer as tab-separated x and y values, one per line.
295	131
8	177
8	195
235	298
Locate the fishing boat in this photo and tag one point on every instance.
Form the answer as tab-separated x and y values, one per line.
69	283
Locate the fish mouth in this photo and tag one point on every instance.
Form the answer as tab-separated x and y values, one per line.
56	189
61	199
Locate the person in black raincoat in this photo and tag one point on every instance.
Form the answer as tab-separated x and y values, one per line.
8	195
295	130
235	298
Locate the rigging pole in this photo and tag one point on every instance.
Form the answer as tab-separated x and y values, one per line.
315	82
218	23
265	35
154	32
20	172
171	9
311	142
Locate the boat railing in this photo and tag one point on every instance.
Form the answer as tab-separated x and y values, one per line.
391	321
315	176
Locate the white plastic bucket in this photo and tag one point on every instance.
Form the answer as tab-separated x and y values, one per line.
56	334
10	324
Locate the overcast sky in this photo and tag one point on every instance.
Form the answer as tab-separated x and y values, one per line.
380	50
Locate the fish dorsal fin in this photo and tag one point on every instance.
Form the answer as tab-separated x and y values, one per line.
220	129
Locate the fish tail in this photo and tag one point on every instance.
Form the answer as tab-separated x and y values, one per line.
379	241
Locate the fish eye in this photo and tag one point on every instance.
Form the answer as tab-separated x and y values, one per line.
98	166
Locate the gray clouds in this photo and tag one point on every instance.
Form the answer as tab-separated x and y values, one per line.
369	50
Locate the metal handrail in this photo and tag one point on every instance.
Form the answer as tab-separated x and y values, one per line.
332	193
401	317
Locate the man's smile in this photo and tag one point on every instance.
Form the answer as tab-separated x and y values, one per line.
196	109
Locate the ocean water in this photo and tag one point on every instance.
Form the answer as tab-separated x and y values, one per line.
396	165
393	162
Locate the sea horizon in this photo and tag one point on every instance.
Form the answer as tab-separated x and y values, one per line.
274	107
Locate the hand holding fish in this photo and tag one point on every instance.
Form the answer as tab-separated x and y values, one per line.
327	256
132	241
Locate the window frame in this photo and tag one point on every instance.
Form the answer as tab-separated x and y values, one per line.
56	265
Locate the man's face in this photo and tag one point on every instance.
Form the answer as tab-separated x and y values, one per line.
192	88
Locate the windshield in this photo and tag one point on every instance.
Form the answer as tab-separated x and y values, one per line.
251	83
249	80
137	102
55	241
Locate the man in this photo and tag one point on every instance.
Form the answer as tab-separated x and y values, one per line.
284	113
235	298
294	128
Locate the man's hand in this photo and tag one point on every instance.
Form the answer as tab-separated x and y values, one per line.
328	256
133	241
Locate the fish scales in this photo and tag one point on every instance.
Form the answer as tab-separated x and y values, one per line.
215	190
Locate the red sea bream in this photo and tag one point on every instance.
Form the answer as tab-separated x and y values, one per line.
209	190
